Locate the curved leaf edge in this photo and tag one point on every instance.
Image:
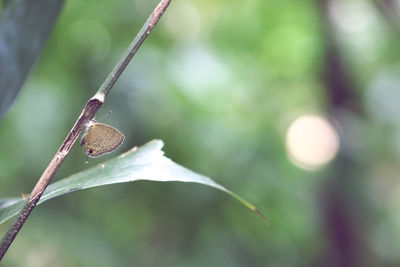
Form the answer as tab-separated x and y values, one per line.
138	164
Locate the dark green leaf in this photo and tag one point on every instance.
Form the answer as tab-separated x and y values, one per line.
24	28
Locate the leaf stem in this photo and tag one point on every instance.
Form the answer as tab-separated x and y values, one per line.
87	114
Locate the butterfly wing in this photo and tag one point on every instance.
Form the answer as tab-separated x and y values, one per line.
101	139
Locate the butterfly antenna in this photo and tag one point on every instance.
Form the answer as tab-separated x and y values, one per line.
104	116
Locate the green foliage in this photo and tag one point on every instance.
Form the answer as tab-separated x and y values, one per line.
145	163
24	28
219	82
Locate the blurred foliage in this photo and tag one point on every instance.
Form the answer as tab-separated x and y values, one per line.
219	82
24	28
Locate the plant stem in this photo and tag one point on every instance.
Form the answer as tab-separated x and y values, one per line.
87	114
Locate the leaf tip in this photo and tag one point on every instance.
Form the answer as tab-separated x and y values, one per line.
253	208
261	215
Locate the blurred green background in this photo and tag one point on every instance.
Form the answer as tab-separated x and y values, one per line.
220	82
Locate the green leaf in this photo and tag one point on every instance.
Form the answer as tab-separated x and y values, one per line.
145	163
24	28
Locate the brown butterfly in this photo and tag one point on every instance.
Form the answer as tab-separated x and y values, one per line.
100	139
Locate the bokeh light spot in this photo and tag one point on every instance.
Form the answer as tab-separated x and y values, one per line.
311	141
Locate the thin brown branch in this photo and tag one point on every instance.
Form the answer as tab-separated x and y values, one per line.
134	46
87	114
